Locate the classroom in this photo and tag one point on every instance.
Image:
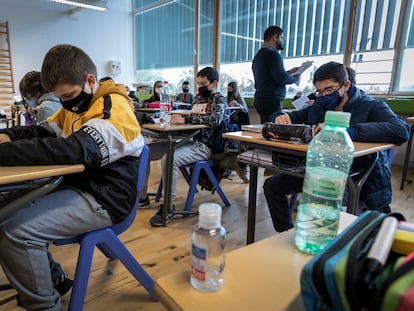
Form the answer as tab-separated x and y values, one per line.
203	48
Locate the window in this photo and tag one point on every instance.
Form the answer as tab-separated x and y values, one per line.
313	30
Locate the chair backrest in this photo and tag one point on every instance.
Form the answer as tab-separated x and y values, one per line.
142	170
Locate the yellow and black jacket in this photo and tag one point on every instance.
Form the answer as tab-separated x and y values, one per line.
106	139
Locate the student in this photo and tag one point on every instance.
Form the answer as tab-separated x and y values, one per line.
371	121
234	99
35	96
156	91
185	96
270	76
207	109
96	128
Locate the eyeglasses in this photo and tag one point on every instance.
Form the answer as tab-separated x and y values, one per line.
328	90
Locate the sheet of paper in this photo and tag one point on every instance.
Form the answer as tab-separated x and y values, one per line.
303	67
301	102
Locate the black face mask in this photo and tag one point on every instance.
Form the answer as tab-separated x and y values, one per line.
204	91
78	104
185	90
230	94
279	45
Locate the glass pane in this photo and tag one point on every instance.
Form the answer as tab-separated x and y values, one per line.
373	44
164	43
406	79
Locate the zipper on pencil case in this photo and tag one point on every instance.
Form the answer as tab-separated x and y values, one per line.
379	295
346	236
356	261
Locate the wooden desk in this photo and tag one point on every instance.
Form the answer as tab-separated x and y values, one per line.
15	174
12	177
177	135
261	276
254	140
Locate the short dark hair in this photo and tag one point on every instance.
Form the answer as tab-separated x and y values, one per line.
186	83
210	73
65	63
30	85
331	71
271	31
351	74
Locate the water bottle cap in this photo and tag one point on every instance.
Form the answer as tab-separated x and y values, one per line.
337	118
209	215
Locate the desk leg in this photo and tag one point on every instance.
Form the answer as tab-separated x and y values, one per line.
168	180
251	212
407	159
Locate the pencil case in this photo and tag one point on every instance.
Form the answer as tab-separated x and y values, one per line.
287	132
335	278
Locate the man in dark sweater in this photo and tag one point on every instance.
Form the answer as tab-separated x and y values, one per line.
270	75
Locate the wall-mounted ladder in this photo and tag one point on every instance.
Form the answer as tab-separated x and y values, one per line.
6	72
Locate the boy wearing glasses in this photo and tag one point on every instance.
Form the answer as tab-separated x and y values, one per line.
371	121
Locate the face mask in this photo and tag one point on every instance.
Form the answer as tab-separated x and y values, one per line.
185	90
204	91
279	45
229	94
330	101
78	104
158	90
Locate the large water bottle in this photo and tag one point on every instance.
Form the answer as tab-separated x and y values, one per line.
165	105
208	249
328	162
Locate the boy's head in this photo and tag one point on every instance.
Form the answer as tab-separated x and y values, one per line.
31	88
69	72
207	80
332	84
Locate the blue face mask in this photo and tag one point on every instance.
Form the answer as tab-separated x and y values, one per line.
330	101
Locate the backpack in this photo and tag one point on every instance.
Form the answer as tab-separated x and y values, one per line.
204	181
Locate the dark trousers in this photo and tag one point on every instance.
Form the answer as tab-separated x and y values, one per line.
266	107
276	190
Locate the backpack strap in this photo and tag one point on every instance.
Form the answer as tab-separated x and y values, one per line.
107	106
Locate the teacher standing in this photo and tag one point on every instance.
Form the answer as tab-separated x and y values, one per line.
270	75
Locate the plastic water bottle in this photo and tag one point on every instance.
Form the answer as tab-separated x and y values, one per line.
208	249
165	105
328	162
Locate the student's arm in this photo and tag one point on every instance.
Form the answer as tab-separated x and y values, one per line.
214	112
382	126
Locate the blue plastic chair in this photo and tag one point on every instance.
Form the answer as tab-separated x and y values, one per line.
110	245
192	181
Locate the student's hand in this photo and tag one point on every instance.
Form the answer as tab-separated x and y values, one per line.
4	138
233	103
283	119
317	128
177	119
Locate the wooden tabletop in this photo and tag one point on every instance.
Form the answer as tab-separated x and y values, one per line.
14	174
182	127
360	149
260	276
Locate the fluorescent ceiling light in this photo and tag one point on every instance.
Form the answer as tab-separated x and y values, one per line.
80	5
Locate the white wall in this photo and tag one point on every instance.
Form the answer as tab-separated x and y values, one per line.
37	25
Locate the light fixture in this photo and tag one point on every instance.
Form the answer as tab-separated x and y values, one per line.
81	5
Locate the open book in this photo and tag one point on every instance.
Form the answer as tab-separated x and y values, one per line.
303	67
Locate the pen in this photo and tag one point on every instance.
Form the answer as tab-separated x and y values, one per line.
378	253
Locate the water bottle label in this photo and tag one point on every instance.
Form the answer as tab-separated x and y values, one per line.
325	183
198	263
